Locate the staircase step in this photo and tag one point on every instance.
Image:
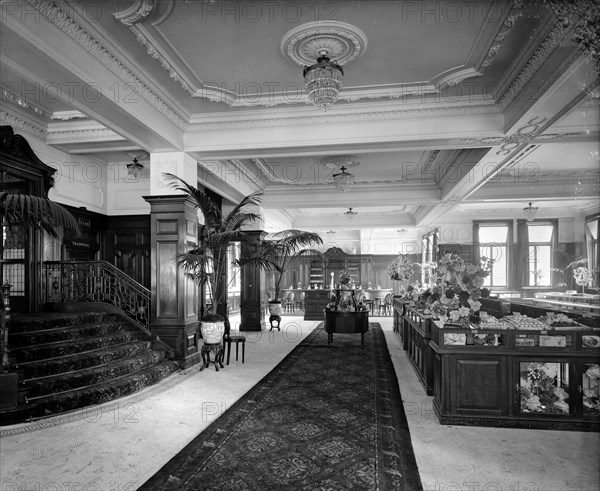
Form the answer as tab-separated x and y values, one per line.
50	320
53	384
82	360
77	359
107	391
63	333
66	348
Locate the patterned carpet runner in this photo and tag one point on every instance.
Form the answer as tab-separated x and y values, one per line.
323	419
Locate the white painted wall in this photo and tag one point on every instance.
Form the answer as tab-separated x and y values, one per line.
80	181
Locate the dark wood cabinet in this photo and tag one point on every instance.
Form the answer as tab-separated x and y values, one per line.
509	384
346	323
416	336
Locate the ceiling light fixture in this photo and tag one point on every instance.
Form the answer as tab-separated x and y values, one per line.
135	169
343	180
324	41
530	212
323	81
350	215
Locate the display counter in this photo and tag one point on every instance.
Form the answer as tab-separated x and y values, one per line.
417	333
516	371
315	301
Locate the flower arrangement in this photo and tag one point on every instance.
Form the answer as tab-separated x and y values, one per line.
583	277
455	297
344	278
400	269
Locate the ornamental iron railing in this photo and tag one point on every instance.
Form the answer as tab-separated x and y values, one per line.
97	281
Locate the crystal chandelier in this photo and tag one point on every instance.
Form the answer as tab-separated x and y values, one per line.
350	214
530	212
135	169
323	81
343	180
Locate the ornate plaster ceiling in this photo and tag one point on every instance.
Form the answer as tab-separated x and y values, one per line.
453	108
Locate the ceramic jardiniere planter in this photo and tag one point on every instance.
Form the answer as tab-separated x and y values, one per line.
212	332
275	307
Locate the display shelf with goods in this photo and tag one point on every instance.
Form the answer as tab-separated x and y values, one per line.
344	315
317	275
353	271
518	372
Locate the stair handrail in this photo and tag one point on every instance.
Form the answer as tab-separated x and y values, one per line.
97	281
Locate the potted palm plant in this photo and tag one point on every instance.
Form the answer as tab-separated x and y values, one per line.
279	250
42	214
207	263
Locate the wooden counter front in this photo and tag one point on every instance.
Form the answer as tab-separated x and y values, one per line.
346	323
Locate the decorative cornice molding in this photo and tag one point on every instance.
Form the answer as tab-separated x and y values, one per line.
12	120
87	135
556	36
18	100
135	12
68	26
354	117
515	12
67	115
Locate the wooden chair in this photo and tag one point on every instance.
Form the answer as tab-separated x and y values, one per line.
386	304
369	302
288	303
300	302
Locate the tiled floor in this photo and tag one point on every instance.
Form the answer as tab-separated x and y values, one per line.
119	445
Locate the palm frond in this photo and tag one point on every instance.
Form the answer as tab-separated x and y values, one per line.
207	206
38	212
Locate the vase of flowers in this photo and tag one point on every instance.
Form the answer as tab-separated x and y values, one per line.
455	296
582	277
400	269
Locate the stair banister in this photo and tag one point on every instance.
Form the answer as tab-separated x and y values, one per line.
97	281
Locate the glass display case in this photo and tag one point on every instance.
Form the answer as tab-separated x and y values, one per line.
513	372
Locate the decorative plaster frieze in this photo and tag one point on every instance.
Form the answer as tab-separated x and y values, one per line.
67	115
68	26
354	117
508	143
496	140
429	162
17	100
16	122
516	11
135	12
557	35
69	136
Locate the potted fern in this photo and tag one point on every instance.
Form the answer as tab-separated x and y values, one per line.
207	263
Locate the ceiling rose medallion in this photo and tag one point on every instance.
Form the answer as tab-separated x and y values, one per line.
323	48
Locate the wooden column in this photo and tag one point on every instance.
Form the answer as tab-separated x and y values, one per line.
174	318
252	293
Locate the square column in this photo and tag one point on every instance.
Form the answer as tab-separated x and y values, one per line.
174	310
252	292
